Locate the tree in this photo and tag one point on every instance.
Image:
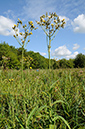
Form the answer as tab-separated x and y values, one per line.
70	63
80	61
63	63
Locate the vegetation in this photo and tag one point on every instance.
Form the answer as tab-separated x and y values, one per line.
48	99
33	97
11	57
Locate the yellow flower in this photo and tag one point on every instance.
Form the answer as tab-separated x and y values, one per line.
15	25
38	22
20	33
52	24
30	67
30	22
30	33
12	79
23	42
43	16
44	21
9	80
55	21
14	36
18	19
28	40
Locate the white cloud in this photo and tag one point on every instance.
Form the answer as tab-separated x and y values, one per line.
61	51
79	24
43	54
6	25
72	55
76	46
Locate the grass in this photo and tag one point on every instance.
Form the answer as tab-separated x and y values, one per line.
47	99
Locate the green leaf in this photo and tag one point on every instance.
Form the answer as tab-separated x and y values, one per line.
57	101
60	117
52	86
51	126
21	124
40	109
81	127
30	115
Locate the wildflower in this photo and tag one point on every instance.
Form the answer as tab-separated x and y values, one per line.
28	40
44	21
52	24
14	36
30	67
63	20
19	21
20	33
23	41
12	80
49	17
43	16
55	21
38	22
9	80
30	22
15	25
30	33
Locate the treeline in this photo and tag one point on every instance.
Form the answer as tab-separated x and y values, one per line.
11	57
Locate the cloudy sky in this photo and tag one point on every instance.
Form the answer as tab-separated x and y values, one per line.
68	42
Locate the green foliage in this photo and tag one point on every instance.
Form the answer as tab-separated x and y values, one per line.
14	58
48	99
80	61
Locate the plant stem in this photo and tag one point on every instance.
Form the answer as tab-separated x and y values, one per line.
49	46
22	64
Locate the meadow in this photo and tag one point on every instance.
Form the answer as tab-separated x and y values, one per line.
47	99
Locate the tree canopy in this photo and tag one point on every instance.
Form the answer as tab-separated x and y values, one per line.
11	57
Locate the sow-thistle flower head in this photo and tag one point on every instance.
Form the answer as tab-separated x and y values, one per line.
44	21
30	67
50	23
15	25
19	21
20	33
49	17
30	22
28	40
30	33
23	41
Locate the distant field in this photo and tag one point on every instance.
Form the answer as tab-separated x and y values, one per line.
47	99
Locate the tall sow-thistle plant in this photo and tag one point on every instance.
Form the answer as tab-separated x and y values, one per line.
50	24
23	37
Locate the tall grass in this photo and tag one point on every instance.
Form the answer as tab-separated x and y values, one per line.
52	99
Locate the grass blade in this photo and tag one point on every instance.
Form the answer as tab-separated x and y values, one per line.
30	115
60	117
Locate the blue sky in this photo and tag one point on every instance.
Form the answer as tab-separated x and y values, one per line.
68	42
